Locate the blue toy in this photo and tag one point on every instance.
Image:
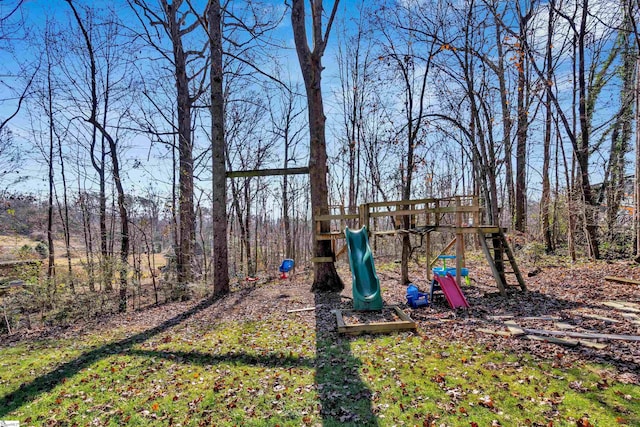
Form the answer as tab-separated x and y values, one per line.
415	298
285	267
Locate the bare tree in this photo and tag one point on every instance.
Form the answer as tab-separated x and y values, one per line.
355	60
325	275
548	126
178	22
524	16
410	68
220	260
284	116
95	121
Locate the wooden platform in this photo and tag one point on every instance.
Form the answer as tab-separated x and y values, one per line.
405	324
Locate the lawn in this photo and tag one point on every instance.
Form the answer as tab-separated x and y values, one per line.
243	360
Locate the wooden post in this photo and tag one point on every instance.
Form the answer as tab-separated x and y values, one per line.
477	218
459	243
364	216
427	238
427	243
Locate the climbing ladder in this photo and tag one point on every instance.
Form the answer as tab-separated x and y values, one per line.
497	251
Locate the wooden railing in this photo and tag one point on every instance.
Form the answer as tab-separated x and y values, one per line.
460	214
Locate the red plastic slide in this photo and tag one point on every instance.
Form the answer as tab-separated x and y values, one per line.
451	291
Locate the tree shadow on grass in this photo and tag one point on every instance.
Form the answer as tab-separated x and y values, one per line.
204	359
47	382
345	399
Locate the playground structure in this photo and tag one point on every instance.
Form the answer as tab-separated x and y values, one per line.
458	216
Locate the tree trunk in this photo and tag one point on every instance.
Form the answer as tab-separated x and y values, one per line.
88	239
246	229
64	216
637	160
546	185
621	135
288	246
124	227
582	154
220	262
523	123
187	233
325	275
506	118
521	150
124	220
51	268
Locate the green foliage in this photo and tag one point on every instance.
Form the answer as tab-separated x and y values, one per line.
42	250
533	252
26	252
618	246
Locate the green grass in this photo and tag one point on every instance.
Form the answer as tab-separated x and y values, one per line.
282	373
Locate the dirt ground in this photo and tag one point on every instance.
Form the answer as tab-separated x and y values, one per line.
559	297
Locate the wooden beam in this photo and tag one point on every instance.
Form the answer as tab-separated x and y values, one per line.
330	236
622	280
268	172
494	332
299	310
341	251
583	335
374	327
336	217
514	329
554	340
621	306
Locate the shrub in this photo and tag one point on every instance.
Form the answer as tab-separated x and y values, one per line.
42	250
26	252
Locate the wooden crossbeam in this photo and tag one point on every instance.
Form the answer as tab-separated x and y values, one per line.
268	172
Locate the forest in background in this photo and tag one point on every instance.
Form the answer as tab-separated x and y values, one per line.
119	121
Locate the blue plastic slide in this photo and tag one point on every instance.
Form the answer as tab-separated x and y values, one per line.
366	285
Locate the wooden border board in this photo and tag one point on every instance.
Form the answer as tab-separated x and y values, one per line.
375	327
